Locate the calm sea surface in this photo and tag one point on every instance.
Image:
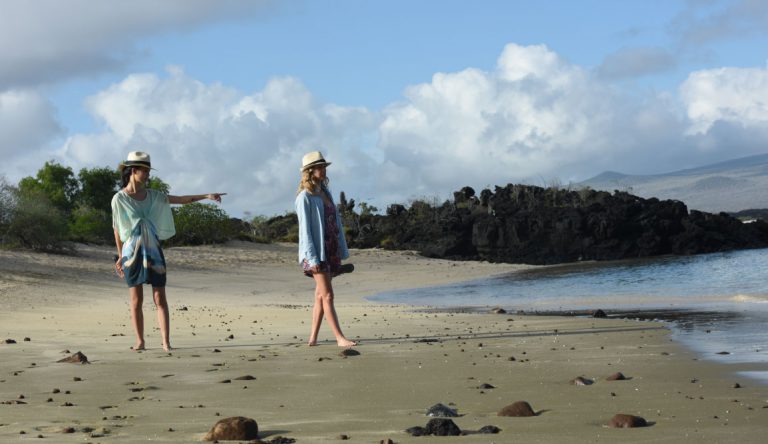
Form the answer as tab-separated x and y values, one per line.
714	302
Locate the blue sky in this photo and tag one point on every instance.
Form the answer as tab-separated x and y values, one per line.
410	99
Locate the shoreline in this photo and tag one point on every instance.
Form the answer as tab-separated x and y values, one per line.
244	310
673	319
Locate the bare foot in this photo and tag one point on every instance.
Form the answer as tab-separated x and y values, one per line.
345	343
138	347
312	343
167	347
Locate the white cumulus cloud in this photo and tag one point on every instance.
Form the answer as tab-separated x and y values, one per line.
27	122
208	137
535	118
734	95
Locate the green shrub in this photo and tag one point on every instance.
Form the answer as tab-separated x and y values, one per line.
91	225
97	186
36	223
283	228
198	223
7	204
57	182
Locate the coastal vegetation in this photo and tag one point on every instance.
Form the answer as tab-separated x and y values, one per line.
54	208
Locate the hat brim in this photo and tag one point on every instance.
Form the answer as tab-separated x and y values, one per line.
314	164
131	163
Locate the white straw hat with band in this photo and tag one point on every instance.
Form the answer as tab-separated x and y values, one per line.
137	158
311	159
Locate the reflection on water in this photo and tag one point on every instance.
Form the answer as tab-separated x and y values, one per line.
704	282
715	302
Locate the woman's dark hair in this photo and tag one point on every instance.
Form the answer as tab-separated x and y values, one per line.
125	176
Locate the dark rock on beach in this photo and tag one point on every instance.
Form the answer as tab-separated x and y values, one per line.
349	352
442	427
235	428
518	409
440	410
77	358
437	427
489	429
580	380
623	421
416	431
618	376
534	225
426	341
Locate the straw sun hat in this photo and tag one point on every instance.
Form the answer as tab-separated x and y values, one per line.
137	158
311	159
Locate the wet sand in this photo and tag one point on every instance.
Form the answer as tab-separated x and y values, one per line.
243	311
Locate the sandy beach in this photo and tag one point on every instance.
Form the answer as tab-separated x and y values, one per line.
240	317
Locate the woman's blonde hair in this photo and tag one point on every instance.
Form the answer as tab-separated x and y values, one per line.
309	184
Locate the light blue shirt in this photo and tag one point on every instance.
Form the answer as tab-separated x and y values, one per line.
311	212
128	212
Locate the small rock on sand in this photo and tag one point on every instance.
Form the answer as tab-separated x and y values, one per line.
235	428
579	380
618	376
416	431
517	409
349	352
10	341
489	429
622	421
77	358
245	378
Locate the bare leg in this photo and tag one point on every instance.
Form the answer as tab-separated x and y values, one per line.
317	319
163	316
137	314
324	308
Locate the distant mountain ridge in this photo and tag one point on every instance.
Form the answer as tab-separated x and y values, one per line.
731	185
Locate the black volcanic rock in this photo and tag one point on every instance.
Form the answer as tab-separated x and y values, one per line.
442	427
534	225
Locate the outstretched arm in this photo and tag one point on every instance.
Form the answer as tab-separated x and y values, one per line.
195	197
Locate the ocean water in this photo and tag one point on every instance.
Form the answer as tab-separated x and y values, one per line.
714	303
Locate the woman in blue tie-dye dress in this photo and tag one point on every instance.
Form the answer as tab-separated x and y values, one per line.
142	218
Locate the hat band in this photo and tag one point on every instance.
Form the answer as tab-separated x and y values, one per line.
137	163
315	163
